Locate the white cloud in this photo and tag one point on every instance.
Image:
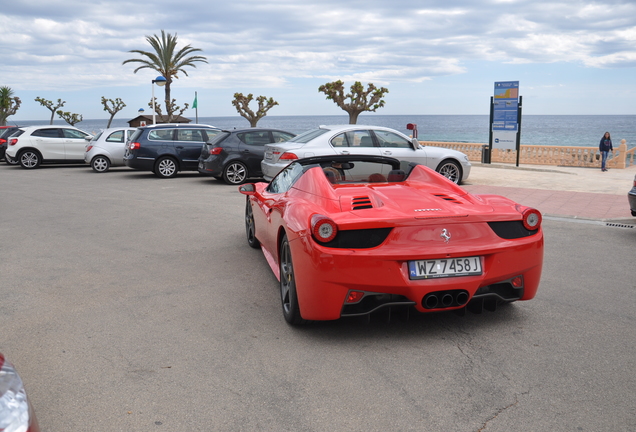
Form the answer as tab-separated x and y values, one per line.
57	45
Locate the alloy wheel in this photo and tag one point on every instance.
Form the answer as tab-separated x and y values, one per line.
250	228
29	159
100	164
451	171
288	295
235	173
286	276
166	167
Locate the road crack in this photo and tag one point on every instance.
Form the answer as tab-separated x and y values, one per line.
501	410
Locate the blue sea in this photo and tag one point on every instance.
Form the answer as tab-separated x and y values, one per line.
565	130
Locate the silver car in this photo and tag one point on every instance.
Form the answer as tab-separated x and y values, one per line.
107	148
363	140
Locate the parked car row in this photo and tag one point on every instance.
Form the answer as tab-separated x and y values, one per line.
229	155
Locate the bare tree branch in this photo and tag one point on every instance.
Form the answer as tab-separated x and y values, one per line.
49	105
242	103
359	99
117	105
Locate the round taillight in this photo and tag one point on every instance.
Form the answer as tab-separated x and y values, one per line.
288	156
323	229
531	219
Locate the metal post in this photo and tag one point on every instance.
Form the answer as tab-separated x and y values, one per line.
492	118
153	102
160	81
519	128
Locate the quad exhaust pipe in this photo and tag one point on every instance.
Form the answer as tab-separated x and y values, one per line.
445	299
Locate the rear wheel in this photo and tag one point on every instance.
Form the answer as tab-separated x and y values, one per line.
166	167
100	164
29	159
250	228
235	173
289	300
451	170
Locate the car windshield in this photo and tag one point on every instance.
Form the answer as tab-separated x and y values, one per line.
308	136
96	137
362	172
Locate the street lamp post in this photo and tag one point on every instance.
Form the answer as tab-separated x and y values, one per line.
160	81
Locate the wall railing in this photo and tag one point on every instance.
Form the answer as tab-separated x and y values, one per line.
546	155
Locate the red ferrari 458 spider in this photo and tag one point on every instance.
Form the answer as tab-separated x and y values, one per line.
351	235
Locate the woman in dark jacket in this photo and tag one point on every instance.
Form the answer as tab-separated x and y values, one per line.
605	147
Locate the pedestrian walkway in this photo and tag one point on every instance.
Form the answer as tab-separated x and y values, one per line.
582	193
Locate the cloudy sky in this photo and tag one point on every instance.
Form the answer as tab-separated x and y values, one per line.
434	56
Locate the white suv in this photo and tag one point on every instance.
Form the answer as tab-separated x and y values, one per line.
33	145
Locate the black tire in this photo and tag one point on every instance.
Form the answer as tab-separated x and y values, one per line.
29	159
235	173
166	167
289	299
451	170
250	228
100	164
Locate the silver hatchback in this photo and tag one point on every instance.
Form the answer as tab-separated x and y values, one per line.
364	140
107	148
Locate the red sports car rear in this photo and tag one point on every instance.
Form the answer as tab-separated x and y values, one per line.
384	235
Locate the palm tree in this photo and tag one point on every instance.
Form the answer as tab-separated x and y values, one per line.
167	60
9	104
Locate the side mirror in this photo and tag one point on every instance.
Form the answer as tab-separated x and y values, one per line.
247	189
416	143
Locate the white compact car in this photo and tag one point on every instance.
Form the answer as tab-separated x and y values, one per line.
107	148
35	145
363	140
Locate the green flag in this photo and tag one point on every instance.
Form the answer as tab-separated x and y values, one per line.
194	104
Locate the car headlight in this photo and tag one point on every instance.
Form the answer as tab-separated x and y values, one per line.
14	406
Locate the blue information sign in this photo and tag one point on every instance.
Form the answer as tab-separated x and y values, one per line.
506	104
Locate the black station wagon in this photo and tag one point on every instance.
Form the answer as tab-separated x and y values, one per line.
166	149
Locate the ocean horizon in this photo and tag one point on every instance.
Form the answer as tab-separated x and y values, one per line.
564	130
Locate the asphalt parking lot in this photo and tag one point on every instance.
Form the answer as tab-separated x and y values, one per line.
131	303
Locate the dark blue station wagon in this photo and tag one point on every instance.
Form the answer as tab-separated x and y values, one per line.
166	149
